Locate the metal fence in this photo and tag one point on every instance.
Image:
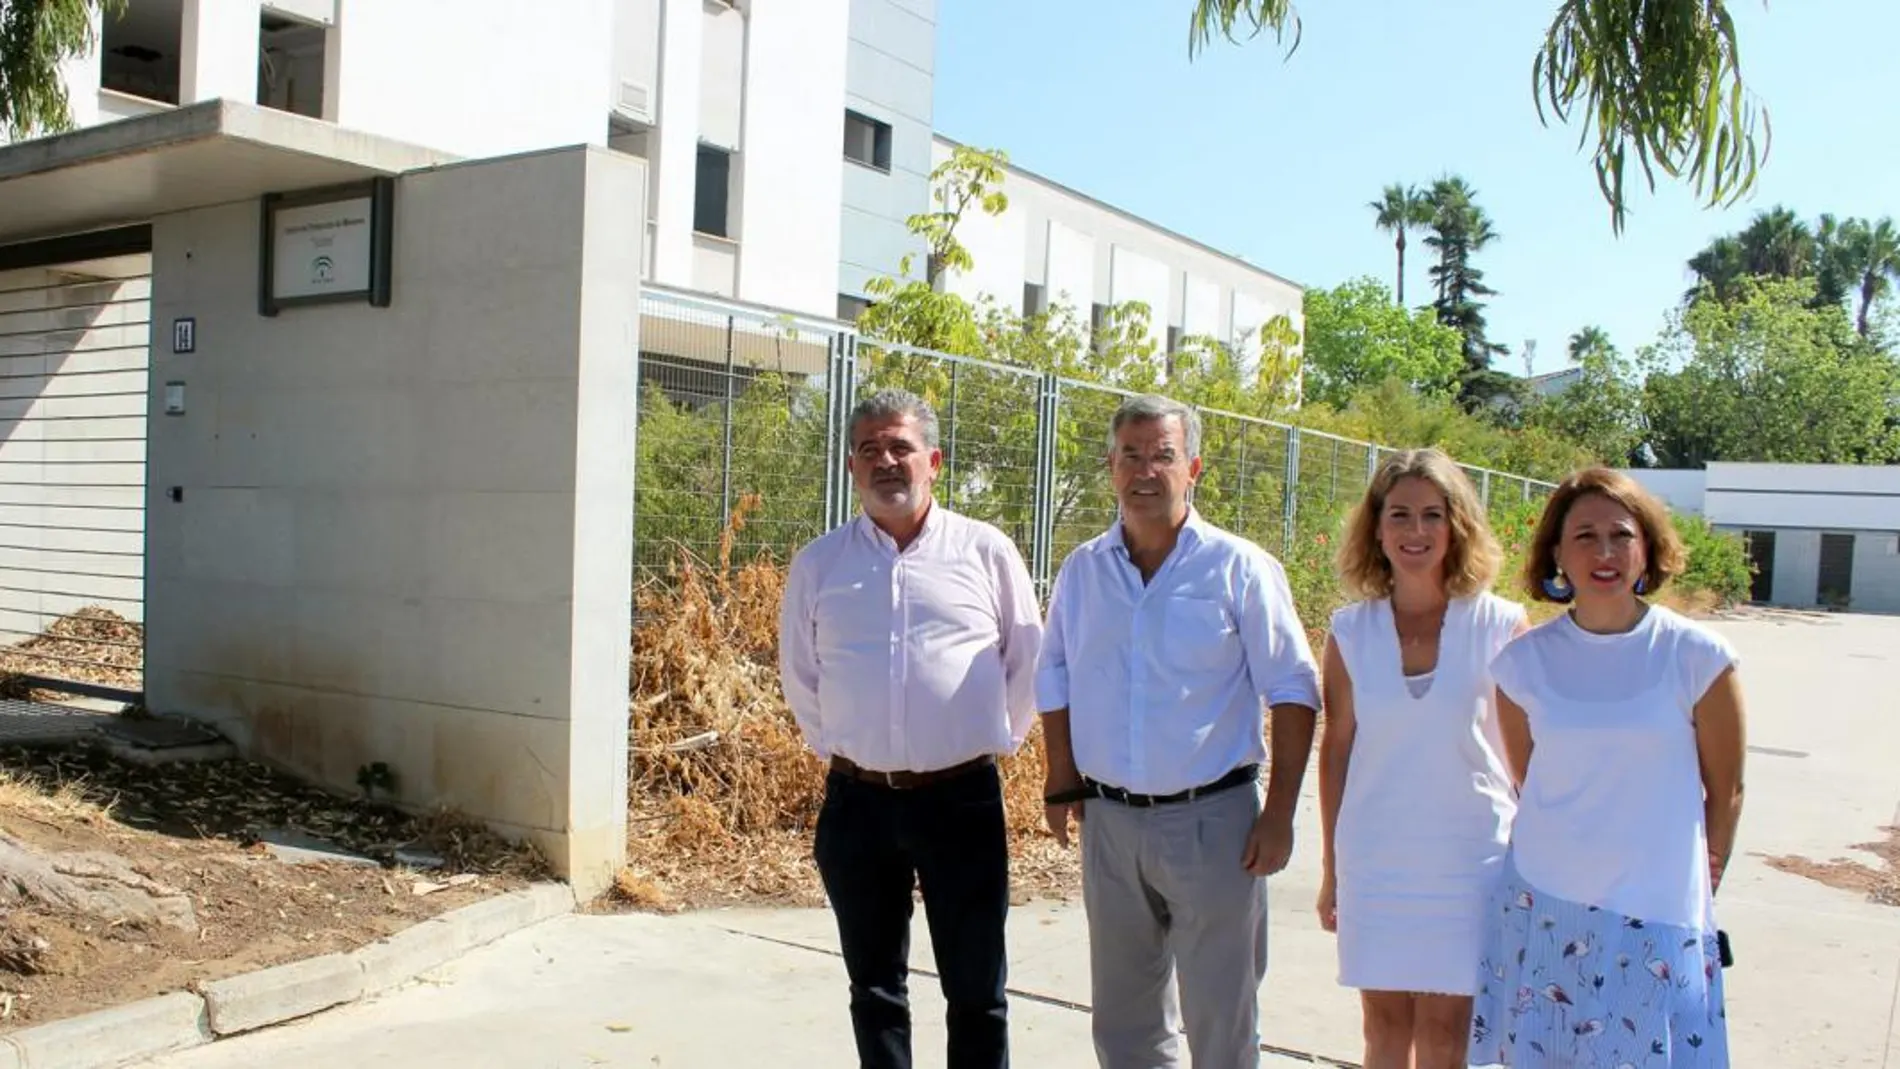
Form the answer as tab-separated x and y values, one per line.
742	422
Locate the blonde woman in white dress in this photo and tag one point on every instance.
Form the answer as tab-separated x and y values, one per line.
1416	799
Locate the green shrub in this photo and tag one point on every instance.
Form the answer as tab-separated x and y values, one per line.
1718	562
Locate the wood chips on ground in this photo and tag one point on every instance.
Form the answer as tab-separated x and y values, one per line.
193	828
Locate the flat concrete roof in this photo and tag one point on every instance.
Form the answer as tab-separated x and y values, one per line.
211	153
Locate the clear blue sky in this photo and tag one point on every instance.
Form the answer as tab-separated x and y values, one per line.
1275	161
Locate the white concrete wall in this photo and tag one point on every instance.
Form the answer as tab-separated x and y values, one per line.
1876	572
997	252
1134	277
1201	301
404	533
1679	488
791	186
675	146
722	76
476	77
637	51
1069	272
218	51
1797	568
1840	497
73	365
80	75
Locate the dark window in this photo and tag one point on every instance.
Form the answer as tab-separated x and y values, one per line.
1035	300
867	141
712	194
1174	339
850	308
1761	565
1834	586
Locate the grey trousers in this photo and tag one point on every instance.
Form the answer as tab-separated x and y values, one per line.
1167	902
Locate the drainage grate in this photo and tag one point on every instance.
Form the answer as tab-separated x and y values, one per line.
22	721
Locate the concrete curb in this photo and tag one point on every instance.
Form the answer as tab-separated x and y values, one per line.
122	1035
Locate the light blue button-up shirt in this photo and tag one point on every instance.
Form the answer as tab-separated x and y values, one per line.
1164	681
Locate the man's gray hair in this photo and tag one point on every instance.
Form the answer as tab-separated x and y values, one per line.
889	403
1150	406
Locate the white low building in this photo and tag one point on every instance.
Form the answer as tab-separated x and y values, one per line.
1819	535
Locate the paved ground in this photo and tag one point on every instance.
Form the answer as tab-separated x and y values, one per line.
1815	982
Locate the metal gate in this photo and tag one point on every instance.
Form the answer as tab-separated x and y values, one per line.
74	361
1834	582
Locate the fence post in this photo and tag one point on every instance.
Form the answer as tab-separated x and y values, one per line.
1240	485
1290	505
950	453
1372	462
1043	511
1484	489
725	464
838	401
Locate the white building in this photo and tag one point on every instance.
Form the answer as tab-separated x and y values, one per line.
1823	535
1056	246
736	107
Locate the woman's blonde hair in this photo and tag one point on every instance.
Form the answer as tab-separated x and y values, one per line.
1661	543
1472	559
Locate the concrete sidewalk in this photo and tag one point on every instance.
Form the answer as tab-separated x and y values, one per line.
1814	984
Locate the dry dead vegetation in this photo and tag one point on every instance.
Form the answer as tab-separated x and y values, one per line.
724	793
93	645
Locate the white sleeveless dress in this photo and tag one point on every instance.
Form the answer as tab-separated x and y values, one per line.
1428	800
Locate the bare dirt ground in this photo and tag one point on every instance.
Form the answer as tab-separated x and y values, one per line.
192	830
1881	885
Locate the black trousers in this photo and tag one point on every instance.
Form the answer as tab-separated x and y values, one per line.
874	845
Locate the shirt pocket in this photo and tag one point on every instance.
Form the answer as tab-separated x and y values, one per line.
1197	634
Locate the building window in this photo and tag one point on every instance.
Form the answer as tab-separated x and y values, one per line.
1035	299
139	50
712	193
290	65
1834	585
1175	334
850	308
867	141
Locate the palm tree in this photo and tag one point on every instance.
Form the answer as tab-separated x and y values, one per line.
1589	341
1870	255
1718	268
1659	80
1777	244
1398	209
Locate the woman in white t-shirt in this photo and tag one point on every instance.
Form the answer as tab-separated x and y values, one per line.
1623	721
1415	796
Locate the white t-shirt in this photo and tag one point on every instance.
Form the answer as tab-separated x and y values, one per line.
1611	813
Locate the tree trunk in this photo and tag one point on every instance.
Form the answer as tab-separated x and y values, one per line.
96	884
1401	247
1866	303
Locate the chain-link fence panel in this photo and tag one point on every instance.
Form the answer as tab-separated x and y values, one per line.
734	434
1082	499
986	427
1243	477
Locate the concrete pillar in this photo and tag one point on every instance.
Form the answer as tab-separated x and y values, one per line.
404	535
217	55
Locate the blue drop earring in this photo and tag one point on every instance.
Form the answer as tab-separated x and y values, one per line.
1642	585
1557	588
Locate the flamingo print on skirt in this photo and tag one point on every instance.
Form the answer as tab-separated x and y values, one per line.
1566	984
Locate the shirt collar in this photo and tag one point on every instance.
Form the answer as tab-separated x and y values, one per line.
933	520
1192	532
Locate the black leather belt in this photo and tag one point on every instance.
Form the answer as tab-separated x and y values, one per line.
844	766
1243	774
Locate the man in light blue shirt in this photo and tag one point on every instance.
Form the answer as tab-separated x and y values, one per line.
1166	637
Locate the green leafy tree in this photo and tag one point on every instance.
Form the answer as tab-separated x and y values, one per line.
1460	230
1870	262
1656	81
36	36
1356	337
1602	410
1768	376
1399	209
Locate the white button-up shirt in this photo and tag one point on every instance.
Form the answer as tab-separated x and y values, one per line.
911	661
1164	681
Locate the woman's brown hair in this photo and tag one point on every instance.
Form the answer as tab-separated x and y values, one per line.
1471	561
1662	546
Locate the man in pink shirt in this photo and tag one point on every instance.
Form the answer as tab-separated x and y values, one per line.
907	650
